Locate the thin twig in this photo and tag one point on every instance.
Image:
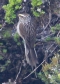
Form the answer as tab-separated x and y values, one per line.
55	47
18	72
43	38
50	47
47	36
58	34
47	23
34	70
3	26
53	51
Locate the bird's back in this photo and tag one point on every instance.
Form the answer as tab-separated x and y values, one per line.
28	31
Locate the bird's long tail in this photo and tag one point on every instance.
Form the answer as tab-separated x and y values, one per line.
32	58
31	55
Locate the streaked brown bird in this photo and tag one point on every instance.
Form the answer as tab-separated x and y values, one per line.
26	28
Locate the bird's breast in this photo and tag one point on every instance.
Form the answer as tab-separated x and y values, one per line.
21	30
18	31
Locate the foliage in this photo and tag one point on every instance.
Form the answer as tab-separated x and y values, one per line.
36	9
1	57
6	34
4	50
0	25
18	43
14	5
4	66
4	62
10	10
57	40
48	38
16	38
50	73
1	43
55	28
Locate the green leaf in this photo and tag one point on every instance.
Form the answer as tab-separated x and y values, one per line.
4	50
39	3
7	33
4	7
12	2
19	1
16	36
7	63
48	39
18	43
55	28
59	75
42	12
57	39
37	14
10	9
1	43
0	25
34	3
16	7
1	57
2	68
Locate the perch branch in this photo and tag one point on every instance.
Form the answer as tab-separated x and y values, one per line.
53	51
34	70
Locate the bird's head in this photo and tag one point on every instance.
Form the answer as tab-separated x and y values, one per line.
24	16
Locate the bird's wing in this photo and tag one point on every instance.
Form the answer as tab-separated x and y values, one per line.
30	34
22	30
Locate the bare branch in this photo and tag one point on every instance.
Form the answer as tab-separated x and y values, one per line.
34	70
53	51
18	72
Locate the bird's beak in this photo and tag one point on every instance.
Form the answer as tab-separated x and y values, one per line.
21	15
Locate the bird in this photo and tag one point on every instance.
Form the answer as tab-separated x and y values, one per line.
26	28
